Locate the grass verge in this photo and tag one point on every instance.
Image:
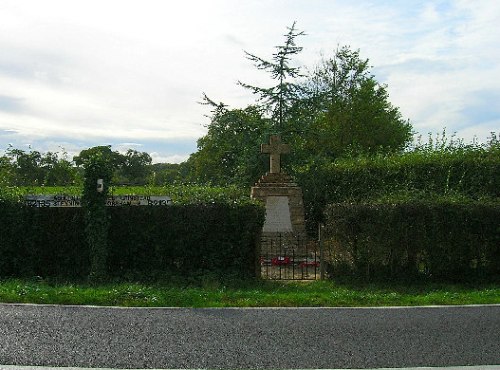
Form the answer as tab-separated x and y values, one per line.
248	294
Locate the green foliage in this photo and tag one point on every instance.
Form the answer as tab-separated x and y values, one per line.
34	168
98	164
254	293
434	238
461	173
339	110
180	194
199	194
44	190
142	242
5	170
59	170
279	99
131	168
433	211
345	111
186	240
135	168
168	174
103	152
35	240
12	235
229	152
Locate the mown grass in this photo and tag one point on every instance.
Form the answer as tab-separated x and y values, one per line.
248	294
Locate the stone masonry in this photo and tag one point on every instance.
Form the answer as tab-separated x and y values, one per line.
284	228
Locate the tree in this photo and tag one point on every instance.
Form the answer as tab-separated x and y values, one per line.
337	110
228	153
99	164
169	173
135	167
348	111
26	166
58	170
279	98
6	171
113	158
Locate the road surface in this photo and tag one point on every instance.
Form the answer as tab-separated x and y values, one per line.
72	336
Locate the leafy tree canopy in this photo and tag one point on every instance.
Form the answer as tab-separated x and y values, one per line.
336	110
32	167
227	153
104	153
133	167
348	111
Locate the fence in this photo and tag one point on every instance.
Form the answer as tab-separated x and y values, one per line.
289	257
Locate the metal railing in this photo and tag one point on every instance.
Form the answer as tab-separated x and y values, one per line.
285	257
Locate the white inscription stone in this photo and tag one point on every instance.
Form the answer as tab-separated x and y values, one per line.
277	215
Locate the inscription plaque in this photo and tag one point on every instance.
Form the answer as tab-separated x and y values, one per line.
277	215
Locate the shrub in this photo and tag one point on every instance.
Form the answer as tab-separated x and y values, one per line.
218	239
471	173
417	237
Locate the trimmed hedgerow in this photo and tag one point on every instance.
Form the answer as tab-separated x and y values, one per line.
467	173
434	238
431	212
143	242
218	239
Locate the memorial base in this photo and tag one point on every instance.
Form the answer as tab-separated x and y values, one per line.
284	227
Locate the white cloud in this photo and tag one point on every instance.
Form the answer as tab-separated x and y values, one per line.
89	72
175	158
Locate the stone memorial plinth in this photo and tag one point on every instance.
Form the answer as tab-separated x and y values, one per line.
284	227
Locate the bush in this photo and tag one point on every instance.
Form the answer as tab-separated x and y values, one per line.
190	240
218	239
470	173
434	238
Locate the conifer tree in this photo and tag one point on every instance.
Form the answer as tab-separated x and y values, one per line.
279	98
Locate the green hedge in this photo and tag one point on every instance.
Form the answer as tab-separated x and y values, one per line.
186	239
472	174
443	240
143	242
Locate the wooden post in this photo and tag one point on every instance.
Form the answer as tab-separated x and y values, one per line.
321	254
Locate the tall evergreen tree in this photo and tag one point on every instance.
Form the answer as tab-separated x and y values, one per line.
339	109
279	98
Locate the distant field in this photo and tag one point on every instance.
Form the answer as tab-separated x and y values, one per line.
77	190
50	190
178	193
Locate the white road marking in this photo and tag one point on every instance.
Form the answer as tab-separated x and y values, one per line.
479	367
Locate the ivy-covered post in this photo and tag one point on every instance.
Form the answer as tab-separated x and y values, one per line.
98	173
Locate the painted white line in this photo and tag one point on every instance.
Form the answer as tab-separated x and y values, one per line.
16	367
479	367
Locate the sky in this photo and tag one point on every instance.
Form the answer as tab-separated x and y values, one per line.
129	73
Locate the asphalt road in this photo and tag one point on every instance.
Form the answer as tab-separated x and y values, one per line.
249	338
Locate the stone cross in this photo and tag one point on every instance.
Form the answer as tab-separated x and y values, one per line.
275	148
